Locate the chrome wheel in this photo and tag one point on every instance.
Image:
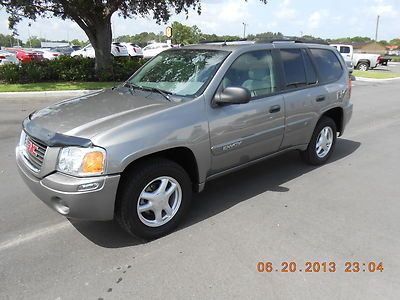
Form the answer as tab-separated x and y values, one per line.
324	142
159	201
363	67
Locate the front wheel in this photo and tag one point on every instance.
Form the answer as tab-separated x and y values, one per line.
322	142
153	198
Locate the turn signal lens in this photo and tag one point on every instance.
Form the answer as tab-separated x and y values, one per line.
93	162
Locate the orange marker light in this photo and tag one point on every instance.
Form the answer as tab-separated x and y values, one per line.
93	162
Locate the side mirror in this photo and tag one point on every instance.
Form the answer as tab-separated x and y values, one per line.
233	95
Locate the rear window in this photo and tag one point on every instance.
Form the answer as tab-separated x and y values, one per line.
293	65
328	65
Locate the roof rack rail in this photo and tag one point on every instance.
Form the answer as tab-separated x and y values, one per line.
293	40
223	41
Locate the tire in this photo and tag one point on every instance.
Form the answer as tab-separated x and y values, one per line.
315	155
363	66
137	214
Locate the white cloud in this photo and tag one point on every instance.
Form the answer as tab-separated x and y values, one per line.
314	19
286	11
234	11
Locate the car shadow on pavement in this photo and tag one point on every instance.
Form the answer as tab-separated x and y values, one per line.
222	193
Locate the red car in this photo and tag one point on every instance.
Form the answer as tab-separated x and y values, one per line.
25	55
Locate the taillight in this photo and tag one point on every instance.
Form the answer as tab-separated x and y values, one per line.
55	54
134	49
2	57
379	58
117	49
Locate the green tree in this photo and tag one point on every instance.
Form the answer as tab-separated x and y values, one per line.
182	34
80	43
395	42
34	42
9	41
94	16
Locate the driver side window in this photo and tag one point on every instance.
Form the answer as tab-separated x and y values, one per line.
253	71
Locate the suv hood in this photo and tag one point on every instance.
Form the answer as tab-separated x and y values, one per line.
89	115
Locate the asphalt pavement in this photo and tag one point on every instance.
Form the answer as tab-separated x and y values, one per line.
277	211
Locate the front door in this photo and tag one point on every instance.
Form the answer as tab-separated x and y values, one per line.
241	133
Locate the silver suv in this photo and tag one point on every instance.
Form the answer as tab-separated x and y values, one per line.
138	151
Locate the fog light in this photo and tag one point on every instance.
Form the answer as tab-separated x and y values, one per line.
88	186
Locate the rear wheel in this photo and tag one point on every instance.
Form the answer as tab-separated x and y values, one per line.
322	143
153	198
363	66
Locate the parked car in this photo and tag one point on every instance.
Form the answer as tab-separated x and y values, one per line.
117	50
154	49
8	58
188	116
361	61
64	50
47	53
24	55
87	51
133	50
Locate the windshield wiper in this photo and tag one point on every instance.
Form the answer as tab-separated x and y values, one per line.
165	94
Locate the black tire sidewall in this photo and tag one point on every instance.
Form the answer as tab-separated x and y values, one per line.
311	155
133	185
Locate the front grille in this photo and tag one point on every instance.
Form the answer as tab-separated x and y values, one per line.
35	152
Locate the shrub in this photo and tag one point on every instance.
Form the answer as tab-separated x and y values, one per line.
67	69
9	73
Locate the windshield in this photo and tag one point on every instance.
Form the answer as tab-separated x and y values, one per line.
180	72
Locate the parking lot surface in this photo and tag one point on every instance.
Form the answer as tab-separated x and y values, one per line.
279	210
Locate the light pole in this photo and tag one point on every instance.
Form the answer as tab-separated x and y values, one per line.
377	28
244	29
29	33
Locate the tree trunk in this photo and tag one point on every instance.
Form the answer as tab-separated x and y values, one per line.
101	39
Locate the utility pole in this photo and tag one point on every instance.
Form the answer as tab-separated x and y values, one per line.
29	33
377	28
244	29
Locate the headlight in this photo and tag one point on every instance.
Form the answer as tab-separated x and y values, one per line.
82	161
21	145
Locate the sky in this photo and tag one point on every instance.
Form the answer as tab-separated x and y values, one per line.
326	19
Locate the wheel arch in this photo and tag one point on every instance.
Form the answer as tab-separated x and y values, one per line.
336	114
183	156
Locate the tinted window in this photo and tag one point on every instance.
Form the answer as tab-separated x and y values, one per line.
344	49
310	71
293	65
254	71
328	65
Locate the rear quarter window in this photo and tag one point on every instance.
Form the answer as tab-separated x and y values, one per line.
328	65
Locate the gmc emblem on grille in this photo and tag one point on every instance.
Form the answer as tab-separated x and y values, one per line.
31	148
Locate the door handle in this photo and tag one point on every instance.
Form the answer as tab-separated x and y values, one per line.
275	109
320	98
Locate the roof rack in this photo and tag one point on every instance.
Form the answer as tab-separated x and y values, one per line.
295	40
223	41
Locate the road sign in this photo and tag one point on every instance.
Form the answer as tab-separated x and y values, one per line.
168	32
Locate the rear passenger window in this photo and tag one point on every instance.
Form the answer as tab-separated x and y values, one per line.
293	65
254	71
344	49
328	65
310	71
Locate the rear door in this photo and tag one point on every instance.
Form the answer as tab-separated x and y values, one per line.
241	133
301	94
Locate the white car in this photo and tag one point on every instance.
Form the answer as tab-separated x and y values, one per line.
116	50
154	49
8	58
47	53
133	49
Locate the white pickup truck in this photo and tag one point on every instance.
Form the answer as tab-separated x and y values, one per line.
361	61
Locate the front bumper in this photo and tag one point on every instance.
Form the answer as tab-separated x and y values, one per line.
71	197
